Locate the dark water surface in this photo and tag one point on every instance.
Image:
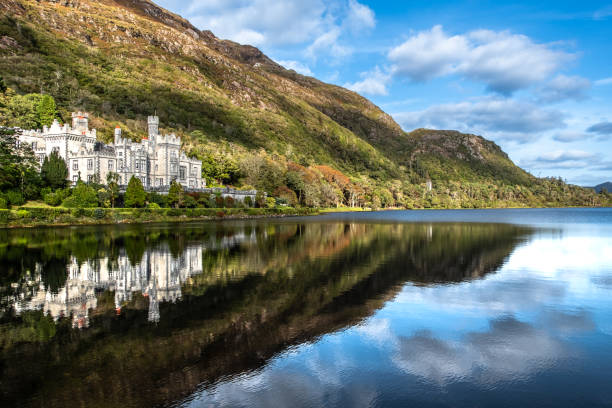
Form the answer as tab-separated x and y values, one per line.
470	308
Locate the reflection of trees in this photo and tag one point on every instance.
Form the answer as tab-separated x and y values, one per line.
264	287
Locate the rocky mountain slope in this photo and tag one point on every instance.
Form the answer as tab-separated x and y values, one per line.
124	59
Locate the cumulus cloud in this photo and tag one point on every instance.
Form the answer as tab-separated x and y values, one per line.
507	118
359	17
372	83
297	66
568	136
602	128
604	81
509	348
565	155
564	87
504	61
327	43
277	23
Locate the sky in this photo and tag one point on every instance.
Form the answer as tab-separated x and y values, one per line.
535	77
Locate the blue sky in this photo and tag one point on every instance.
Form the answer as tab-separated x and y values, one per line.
535	77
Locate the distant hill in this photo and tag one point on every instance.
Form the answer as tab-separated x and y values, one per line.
122	60
607	185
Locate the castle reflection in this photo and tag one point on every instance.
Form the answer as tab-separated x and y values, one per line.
158	276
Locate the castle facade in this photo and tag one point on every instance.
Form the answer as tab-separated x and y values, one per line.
156	160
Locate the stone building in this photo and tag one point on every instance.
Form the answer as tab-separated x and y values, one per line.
156	160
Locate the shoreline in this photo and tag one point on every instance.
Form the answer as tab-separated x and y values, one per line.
34	217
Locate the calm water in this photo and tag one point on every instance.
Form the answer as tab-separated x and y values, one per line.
409	308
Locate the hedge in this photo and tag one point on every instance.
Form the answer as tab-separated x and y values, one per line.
25	216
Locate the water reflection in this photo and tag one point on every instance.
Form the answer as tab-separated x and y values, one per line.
282	313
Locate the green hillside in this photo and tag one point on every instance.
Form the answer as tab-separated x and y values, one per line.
251	121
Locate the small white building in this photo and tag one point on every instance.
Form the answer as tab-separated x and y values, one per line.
156	160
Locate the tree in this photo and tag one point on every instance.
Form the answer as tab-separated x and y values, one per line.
46	110
135	195
54	171
18	166
175	195
112	181
2	85
83	196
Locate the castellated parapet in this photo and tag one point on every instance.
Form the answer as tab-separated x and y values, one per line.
156	160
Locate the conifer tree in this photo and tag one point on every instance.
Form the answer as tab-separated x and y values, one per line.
54	171
135	195
175	195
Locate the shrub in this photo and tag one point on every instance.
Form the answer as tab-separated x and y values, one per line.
3	203
270	202
99	213
189	202
4	216
219	201
153	206
83	196
229	202
247	201
15	198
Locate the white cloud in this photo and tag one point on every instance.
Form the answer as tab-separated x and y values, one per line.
373	83
327	43
603	81
278	23
504	61
559	156
502	118
564	87
568	136
359	17
297	66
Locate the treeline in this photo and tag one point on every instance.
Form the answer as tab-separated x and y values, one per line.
323	186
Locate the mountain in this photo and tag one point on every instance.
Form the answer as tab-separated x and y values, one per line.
125	59
607	185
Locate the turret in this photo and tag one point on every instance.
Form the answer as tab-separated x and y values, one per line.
80	121
153	123
117	135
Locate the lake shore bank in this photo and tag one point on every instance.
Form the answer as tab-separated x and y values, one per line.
27	217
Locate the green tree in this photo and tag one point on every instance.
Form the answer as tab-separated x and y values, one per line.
18	166
46	110
83	196
112	182
175	195
54	171
135	195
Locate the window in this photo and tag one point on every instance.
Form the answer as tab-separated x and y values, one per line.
143	164
89	178
120	163
182	172
156	167
75	165
75	178
137	165
173	168
160	182
89	164
111	164
34	145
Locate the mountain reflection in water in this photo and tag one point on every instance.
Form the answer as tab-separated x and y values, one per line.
144	315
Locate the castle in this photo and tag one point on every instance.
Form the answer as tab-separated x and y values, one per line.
156	160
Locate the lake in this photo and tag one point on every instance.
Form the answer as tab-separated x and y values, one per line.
449	308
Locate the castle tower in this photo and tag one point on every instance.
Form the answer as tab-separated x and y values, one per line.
80	121
117	135
153	123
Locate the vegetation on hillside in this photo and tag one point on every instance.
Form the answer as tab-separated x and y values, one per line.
250	121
